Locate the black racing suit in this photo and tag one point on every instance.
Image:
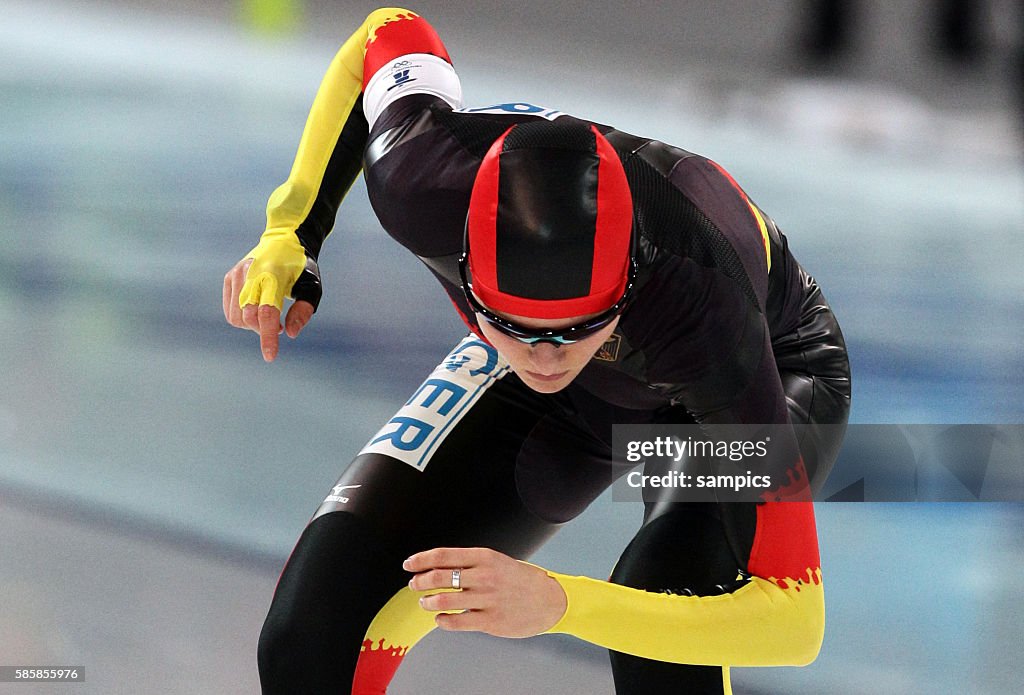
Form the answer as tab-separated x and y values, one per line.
725	328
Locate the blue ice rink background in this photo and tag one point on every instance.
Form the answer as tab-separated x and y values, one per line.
138	147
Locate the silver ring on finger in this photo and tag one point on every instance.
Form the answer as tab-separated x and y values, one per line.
456	579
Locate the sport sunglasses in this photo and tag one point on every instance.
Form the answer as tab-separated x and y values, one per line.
557	336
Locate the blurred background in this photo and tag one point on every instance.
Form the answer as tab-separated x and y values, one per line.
155	473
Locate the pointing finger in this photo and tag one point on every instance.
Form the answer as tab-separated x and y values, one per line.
269	318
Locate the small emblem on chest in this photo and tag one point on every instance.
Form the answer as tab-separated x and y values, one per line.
609	352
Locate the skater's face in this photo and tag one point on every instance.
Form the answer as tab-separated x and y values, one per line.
544	366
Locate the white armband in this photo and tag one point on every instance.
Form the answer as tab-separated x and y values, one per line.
414	73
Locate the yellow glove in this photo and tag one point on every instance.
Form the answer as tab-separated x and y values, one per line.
278	263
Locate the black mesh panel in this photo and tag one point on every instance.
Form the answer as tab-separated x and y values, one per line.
670	220
562	134
475	134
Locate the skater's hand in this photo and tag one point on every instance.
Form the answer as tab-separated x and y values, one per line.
499	595
263	317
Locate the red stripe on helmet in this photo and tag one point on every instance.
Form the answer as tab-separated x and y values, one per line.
482	225
613	236
614	214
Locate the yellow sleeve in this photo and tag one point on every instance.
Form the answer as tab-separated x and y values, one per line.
335	107
302	210
774	618
764	623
